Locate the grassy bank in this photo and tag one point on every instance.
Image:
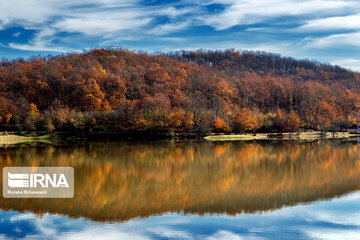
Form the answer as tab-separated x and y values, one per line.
16	139
306	136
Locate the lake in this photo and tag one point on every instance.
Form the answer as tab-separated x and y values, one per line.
192	190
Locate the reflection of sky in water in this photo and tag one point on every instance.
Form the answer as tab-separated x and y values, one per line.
335	219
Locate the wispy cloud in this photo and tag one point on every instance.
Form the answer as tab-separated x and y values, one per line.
169	28
41	43
249	12
103	23
349	22
28	13
327	234
173	12
343	39
223	235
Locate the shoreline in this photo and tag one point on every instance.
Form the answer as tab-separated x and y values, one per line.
304	136
45	137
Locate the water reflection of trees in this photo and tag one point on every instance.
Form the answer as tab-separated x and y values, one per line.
121	181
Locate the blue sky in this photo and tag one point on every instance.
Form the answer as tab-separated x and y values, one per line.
323	30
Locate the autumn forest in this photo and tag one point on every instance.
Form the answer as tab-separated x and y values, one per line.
114	90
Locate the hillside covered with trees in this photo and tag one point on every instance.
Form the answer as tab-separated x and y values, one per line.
111	90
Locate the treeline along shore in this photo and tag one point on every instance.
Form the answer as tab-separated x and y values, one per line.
201	92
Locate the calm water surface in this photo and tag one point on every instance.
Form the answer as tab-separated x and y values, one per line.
192	190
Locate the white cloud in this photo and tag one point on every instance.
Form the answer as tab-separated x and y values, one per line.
28	13
351	63
248	12
343	39
41	42
173	12
332	23
327	234
262	29
103	23
169	28
224	235
170	233
21	217
103	232
332	216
